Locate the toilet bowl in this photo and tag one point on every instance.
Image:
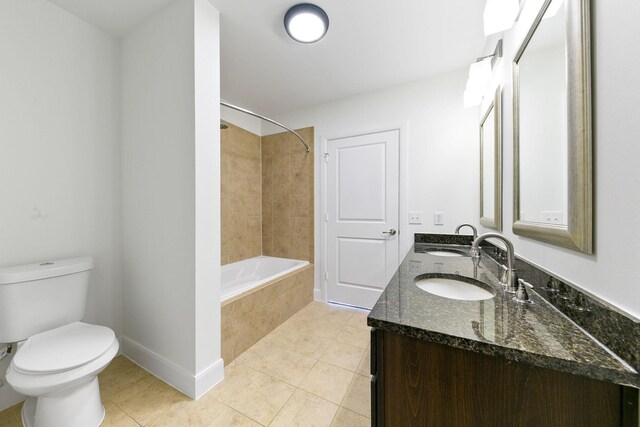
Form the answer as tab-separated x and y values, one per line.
58	370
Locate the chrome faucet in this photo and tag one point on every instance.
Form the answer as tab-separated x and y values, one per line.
510	279
475	231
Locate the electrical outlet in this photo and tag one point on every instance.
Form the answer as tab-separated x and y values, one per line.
415	217
438	218
415	267
438	267
552	217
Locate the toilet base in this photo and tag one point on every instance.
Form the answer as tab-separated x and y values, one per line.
79	406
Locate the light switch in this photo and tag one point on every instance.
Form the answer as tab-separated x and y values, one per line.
438	218
415	217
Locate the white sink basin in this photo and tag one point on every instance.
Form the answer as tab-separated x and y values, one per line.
453	289
443	253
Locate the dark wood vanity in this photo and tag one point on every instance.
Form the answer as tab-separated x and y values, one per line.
449	362
420	383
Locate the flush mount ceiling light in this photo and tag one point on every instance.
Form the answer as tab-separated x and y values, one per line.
499	15
306	23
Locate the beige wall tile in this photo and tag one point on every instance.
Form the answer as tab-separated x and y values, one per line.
287	196
241	195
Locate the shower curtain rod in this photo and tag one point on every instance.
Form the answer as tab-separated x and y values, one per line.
243	110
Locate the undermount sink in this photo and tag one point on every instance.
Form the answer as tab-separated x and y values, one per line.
440	251
453	289
444	253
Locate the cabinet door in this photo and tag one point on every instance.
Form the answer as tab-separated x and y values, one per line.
428	384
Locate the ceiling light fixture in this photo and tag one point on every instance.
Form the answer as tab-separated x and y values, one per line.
306	23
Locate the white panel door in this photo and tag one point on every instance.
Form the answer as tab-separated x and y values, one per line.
362	216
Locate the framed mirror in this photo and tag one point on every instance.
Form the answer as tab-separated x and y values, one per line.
491	165
552	128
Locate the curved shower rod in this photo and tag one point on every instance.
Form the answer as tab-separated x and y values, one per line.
251	113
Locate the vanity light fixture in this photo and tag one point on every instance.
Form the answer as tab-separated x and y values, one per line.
499	15
480	73
306	23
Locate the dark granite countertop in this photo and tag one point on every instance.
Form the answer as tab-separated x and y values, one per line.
536	333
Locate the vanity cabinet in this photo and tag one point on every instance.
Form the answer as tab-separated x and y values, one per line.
421	383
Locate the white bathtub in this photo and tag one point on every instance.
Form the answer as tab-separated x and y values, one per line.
241	276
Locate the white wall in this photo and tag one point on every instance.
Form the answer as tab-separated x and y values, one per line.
611	273
441	140
59	150
170	188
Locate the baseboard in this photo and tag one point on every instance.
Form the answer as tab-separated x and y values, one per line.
176	376
317	295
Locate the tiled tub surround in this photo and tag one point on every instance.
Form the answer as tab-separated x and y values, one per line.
536	334
248	317
240	194
287	196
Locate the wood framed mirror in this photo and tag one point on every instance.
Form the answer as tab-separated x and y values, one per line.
552	128
491	164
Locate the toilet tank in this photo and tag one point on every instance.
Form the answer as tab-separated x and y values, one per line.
37	297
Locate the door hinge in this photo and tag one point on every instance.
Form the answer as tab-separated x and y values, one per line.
326	217
326	275
326	157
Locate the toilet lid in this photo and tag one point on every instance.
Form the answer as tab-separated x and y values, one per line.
63	348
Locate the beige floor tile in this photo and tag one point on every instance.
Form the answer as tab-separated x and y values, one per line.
116	417
279	363
252	393
358	397
327	381
10	417
305	410
123	379
354	336
317	310
306	345
316	327
322	329
203	412
343	355
340	316
347	418
364	368
359	320
152	402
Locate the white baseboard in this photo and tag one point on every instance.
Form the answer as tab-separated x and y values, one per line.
176	376
317	295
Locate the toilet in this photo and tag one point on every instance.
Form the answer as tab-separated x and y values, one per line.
57	357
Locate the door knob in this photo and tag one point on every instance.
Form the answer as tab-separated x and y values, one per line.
391	232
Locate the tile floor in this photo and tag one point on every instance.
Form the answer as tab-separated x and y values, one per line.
313	370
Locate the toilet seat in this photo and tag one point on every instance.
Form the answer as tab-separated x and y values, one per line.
39	384
63	349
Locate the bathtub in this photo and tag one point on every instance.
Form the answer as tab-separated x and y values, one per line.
258	295
242	276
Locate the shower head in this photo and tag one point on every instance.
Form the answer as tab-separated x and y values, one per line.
223	126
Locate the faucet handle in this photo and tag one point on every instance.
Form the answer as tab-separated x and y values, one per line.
522	296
